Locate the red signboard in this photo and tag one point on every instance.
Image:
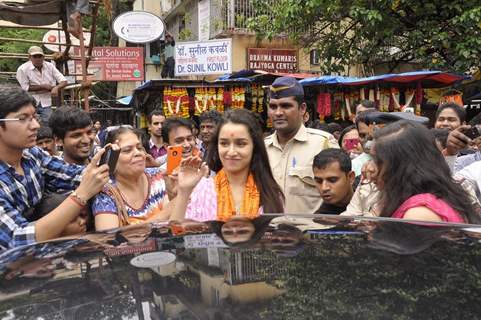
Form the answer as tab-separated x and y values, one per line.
272	60
115	64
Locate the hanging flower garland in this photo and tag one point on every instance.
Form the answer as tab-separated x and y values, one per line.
260	99
257	98
227	98
219	101
238	98
338	103
200	100
384	99
419	98
176	102
254	106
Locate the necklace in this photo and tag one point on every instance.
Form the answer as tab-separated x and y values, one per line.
130	202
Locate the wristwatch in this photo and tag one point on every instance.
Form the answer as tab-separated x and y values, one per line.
80	201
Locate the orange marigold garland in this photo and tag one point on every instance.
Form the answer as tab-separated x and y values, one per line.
260	99
201	100
238	98
176	102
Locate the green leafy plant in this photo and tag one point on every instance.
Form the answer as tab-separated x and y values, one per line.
441	34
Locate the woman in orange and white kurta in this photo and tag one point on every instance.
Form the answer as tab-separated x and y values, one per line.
243	185
143	190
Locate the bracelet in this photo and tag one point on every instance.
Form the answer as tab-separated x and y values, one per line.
79	201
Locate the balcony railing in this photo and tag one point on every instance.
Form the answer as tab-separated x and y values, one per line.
249	266
231	16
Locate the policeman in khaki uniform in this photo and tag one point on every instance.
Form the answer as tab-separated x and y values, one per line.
292	147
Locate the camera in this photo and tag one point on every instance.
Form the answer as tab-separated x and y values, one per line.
110	157
473	132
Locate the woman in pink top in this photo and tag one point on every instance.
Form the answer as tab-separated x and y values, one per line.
414	179
243	187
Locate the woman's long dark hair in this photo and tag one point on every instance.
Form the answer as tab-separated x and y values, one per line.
409	163
271	194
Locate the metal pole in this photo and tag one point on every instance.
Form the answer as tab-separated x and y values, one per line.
34	41
83	60
34	27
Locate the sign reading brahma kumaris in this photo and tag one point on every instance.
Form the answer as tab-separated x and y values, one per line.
115	64
272	60
203	58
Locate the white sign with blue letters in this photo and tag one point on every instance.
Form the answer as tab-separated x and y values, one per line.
203	57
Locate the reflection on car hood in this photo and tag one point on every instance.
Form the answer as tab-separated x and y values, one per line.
303	267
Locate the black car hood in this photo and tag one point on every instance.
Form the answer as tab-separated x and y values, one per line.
308	267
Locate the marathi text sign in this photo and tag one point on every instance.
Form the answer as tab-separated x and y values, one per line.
115	64
272	60
203	58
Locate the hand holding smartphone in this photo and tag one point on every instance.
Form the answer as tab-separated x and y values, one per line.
174	157
473	132
110	157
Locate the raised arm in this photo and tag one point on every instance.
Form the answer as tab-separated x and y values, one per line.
190	173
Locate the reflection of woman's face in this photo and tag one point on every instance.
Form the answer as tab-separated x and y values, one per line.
235	147
132	156
238	229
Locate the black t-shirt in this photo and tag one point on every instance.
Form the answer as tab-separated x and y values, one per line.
326	208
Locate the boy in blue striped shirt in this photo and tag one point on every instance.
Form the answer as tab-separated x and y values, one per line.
26	172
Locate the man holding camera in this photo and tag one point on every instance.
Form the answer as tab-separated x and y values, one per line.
465	166
26	172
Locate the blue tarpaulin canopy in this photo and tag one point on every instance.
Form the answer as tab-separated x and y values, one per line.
326	80
125	100
428	79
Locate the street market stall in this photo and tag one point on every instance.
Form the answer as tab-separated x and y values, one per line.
334	97
329	98
189	98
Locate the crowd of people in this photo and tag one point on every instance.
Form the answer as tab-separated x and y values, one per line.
231	172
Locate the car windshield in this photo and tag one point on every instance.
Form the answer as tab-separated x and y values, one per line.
299	267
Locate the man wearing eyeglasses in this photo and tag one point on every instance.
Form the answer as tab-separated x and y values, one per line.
27	172
42	80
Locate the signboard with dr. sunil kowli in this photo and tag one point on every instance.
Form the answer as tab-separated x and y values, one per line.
203	58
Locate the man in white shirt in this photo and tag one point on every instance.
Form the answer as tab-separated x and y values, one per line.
471	172
42	80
